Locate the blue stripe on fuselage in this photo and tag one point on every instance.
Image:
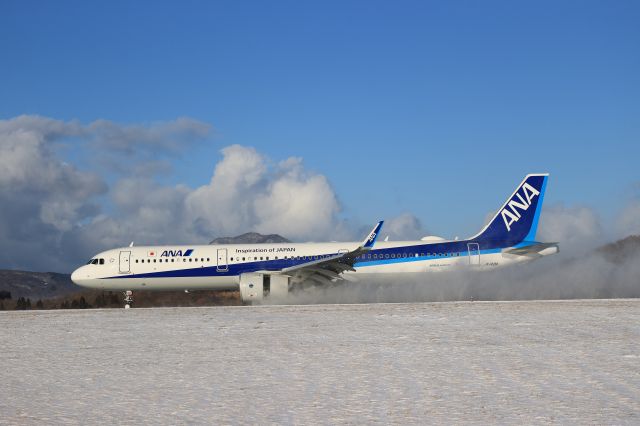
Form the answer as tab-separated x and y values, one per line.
448	250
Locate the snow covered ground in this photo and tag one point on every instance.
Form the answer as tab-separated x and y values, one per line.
473	362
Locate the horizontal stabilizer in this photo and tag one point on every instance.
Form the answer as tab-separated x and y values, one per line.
533	250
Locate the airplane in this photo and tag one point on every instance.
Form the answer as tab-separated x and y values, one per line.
261	270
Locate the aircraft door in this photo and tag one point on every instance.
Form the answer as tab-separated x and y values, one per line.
222	265
474	253
125	260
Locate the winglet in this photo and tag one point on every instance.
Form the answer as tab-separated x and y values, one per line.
368	243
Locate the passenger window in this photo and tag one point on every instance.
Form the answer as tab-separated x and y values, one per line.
267	257
243	258
190	260
171	260
386	256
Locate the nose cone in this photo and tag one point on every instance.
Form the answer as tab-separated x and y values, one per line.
81	277
75	276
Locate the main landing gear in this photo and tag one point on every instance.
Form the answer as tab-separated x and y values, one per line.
128	299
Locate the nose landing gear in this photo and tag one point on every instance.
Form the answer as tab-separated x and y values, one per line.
128	300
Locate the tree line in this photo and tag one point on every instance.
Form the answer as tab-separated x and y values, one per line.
23	304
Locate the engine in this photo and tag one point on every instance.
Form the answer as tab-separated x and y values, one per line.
255	287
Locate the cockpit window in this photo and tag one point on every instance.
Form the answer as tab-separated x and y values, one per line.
102	261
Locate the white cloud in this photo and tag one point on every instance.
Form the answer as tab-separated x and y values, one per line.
170	135
575	228
298	203
245	194
54	215
48	203
403	227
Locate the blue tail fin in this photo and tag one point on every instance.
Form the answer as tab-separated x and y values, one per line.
517	220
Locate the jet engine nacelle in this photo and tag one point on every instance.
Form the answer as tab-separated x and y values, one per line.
255	287
251	287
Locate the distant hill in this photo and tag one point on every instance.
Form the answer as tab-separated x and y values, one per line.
621	250
251	238
36	285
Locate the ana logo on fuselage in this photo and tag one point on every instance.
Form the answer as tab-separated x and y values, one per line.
173	253
510	213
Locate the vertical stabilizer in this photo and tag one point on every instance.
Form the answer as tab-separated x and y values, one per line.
517	219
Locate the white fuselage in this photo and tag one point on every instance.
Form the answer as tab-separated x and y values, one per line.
218	267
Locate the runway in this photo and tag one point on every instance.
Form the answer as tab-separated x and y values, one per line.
470	362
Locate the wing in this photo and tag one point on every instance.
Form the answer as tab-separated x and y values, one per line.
330	269
533	250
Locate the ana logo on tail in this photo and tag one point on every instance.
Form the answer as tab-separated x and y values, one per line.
510	213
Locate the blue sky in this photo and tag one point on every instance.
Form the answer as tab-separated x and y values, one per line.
433	108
